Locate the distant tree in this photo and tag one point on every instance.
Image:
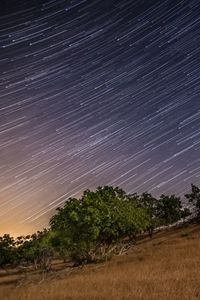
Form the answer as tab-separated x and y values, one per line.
194	197
7	252
150	203
36	249
169	210
94	226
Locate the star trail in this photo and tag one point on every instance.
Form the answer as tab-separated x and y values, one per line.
95	93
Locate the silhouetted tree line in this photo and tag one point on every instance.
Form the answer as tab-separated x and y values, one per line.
96	226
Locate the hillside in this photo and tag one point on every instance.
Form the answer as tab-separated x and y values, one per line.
164	267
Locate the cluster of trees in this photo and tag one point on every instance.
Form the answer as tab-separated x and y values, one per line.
27	250
96	226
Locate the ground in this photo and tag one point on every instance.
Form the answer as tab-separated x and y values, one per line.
165	267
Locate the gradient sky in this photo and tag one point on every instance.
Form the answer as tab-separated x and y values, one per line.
93	93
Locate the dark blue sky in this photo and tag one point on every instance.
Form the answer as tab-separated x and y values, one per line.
95	93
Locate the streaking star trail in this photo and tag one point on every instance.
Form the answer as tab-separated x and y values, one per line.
95	93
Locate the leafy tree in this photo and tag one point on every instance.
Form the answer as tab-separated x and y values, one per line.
7	253
93	227
36	249
150	203
194	197
169	210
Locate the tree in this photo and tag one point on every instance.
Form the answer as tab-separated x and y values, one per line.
194	197
94	226
150	203
7	253
36	249
169	210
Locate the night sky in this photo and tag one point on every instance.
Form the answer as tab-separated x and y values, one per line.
95	93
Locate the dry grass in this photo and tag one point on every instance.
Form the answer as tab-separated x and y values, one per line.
165	268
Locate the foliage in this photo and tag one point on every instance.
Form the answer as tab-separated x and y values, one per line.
150	203
92	226
36	249
7	253
96	226
194	197
170	210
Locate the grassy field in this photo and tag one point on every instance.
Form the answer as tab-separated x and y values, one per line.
165	267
